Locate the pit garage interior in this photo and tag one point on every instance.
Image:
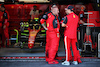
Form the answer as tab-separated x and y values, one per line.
20	54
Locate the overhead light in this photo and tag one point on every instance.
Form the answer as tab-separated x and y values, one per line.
1	0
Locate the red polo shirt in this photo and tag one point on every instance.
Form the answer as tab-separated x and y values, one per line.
71	29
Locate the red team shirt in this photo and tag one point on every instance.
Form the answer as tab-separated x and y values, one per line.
81	16
50	24
50	18
5	16
71	29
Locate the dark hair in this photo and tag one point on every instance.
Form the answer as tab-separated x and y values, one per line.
34	6
3	6
53	4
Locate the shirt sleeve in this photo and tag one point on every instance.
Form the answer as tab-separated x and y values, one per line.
65	20
81	16
45	17
5	15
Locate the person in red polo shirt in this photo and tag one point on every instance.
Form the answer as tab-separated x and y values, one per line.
52	33
5	25
70	34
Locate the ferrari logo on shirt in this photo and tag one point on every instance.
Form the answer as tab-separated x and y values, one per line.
47	24
73	16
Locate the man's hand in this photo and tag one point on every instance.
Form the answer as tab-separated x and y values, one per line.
64	25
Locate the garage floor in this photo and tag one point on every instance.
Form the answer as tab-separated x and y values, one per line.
40	52
42	63
35	51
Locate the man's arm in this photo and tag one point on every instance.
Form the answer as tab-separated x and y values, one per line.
43	20
81	18
6	20
44	27
81	21
63	25
64	21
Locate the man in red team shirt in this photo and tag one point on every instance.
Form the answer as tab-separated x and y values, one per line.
5	25
52	33
70	34
82	28
81	15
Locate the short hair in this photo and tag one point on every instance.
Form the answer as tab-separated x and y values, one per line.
3	6
54	5
34	6
83	7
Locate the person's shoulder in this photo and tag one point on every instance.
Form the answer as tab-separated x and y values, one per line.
48	12
81	12
5	11
68	15
76	15
45	15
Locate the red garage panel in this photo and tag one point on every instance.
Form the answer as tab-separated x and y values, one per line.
94	18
